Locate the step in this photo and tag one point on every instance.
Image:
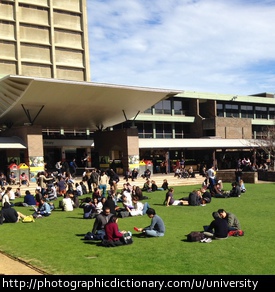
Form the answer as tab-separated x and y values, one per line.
158	178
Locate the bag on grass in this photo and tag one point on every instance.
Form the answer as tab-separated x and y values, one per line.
127	238
28	219
195	236
91	236
236	233
123	214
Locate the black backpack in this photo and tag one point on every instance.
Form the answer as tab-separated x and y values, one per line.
195	236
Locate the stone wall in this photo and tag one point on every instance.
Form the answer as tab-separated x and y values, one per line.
229	176
266	175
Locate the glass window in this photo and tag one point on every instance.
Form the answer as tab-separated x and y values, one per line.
261	112
167	129
145	130
272	112
159	130
148	111
231	110
179	131
247	111
220	112
178	107
163	107
163	130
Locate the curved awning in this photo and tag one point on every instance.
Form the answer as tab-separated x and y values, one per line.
54	103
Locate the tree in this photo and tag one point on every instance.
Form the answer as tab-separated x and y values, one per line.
267	144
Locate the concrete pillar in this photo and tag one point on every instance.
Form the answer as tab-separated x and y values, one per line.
121	144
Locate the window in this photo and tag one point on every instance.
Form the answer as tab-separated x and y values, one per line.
261	112
148	111
220	111
272	113
178	107
145	130
179	131
247	111
164	130
163	107
232	110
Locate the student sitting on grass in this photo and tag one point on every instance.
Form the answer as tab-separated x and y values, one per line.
10	215
156	228
44	209
139	208
218	228
113	237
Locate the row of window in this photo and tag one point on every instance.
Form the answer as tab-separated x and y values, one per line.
180	107
167	130
245	111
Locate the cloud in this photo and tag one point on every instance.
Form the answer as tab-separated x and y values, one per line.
209	46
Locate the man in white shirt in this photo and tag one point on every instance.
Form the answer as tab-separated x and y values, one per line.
67	203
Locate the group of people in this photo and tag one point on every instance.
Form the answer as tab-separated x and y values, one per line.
215	185
105	227
10	215
198	197
223	222
103	206
14	179
183	172
151	186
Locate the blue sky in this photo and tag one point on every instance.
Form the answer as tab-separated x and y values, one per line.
224	46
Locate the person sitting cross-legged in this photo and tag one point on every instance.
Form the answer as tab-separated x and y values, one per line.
44	209
138	208
113	237
12	178
156	228
218	228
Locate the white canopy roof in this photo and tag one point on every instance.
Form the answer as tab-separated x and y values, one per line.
70	104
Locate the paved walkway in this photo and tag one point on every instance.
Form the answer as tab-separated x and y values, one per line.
12	266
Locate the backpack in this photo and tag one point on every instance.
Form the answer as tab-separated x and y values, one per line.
127	238
236	233
92	236
123	214
195	236
28	219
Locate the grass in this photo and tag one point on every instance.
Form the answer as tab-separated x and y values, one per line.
55	244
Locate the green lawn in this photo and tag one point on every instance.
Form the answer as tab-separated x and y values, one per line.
55	244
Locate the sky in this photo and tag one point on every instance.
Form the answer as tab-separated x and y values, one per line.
224	46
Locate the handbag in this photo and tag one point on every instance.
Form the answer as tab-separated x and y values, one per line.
127	238
28	219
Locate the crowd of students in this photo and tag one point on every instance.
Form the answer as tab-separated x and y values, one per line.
105	203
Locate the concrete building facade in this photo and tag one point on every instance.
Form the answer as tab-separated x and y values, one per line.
44	64
42	37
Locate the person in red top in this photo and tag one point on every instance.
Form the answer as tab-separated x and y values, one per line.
113	237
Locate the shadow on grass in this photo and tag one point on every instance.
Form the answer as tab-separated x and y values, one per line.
71	217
